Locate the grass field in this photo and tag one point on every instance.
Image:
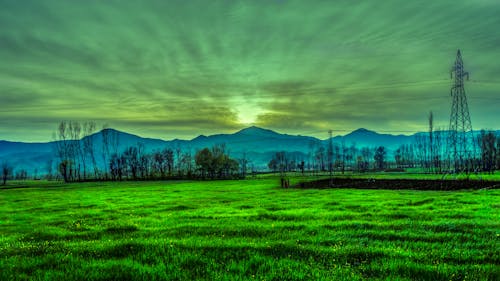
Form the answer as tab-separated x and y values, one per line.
238	230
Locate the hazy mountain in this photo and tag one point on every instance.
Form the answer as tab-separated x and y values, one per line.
363	137
256	143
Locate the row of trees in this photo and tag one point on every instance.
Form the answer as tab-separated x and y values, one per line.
83	156
75	151
134	164
431	153
7	172
340	158
428	152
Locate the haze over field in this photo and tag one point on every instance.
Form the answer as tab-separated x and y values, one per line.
177	69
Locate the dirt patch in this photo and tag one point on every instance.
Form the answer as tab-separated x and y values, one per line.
399	184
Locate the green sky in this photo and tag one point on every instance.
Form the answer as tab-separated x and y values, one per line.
182	68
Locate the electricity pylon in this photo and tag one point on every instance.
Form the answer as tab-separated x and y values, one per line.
330	157
461	146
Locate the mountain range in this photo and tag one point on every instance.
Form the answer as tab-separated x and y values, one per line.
258	145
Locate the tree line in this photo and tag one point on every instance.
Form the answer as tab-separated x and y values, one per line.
78	158
428	152
340	158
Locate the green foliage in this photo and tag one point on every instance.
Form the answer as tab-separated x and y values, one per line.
215	163
245	230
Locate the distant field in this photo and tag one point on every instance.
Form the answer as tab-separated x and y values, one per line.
238	230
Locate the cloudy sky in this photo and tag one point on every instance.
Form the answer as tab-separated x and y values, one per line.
181	68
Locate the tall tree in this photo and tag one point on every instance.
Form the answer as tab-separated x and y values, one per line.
64	151
487	144
379	157
498	153
431	143
88	145
7	172
243	161
203	159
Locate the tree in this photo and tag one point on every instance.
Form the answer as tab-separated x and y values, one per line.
302	165
273	165
187	163
498	154
63	150
219	159
398	157
430	143
65	169
168	155
281	161
21	175
110	145
438	151
343	156
421	153
215	163
49	169
320	158
379	157
88	145
178	153
159	164
203	160
366	154
7	171
243	164
132	157
488	151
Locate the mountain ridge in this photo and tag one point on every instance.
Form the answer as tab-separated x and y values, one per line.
259	143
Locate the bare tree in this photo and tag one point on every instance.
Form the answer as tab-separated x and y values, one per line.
320	158
64	151
366	154
430	143
77	155
488	151
187	161
343	156
243	161
117	166
379	157
438	151
421	148
498	153
88	145
168	155
21	175
7	172
49	169
110	145
178	152
105	133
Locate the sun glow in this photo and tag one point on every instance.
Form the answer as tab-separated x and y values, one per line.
248	113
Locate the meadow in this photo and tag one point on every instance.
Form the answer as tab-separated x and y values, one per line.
245	230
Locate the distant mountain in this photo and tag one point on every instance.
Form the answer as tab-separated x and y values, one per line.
258	144
364	137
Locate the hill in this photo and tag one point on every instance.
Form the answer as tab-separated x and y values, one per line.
258	144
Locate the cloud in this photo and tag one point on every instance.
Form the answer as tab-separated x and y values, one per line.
191	67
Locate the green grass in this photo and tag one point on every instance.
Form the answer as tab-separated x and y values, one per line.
239	230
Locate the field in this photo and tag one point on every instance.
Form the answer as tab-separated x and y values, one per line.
245	230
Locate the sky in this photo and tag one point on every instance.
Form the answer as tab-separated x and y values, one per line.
181	68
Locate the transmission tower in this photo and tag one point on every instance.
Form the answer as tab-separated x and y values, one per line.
330	156
461	140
